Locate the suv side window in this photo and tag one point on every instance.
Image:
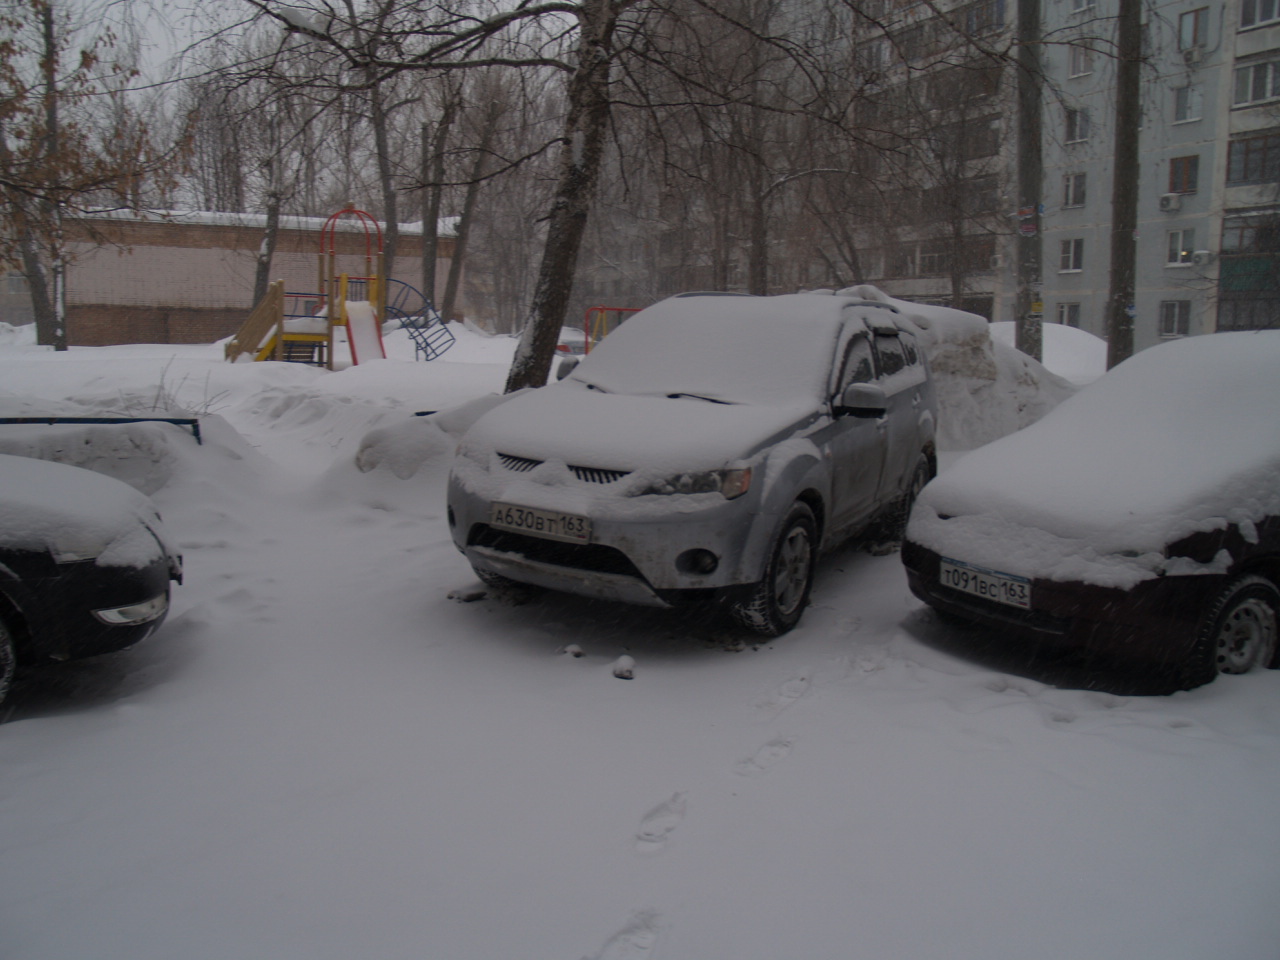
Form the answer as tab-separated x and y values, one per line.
909	349
889	355
858	365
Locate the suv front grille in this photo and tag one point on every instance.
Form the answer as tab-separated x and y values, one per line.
585	474
518	464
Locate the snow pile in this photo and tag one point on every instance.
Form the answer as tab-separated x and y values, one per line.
1177	439
986	388
24	336
1073	354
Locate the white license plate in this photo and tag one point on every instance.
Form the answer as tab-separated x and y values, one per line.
541	523
989	584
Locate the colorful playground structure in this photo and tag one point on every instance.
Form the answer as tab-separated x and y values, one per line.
599	322
301	327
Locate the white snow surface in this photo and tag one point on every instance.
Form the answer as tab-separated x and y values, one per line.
1177	439
326	753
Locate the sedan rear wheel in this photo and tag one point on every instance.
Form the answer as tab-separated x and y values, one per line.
1239	630
775	603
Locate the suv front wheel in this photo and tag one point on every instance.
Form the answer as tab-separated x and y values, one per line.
773	605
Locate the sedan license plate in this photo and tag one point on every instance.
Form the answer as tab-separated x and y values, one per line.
988	584
541	523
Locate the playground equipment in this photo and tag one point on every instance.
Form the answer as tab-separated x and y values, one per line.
300	327
599	322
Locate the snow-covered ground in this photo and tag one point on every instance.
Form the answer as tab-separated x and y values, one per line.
328	752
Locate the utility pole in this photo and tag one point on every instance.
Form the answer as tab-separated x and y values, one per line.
1029	308
1124	185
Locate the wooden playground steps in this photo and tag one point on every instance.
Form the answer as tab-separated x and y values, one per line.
262	338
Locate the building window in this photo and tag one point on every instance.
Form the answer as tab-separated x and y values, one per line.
1186	103
983	17
1077	125
18	284
934	259
1069	314
1175	318
1073	185
1254	159
1079	61
1255	12
1257	83
1193	28
1184	174
1182	244
1250	313
1072	256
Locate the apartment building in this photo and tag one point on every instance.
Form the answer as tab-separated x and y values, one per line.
1208	239
1210	161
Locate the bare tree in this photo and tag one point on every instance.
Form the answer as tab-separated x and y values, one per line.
59	111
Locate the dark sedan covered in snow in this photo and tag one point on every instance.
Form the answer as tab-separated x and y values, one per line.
706	449
1139	520
84	564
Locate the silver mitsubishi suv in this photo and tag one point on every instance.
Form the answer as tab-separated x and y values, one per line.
709	449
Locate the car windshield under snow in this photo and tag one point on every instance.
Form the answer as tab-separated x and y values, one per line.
760	350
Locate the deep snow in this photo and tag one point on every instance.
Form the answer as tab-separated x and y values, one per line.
327	753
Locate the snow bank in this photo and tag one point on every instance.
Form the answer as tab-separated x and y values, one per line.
1073	354
986	388
20	336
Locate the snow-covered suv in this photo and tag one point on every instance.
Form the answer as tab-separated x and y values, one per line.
707	449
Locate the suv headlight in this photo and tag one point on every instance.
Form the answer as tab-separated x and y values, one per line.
731	483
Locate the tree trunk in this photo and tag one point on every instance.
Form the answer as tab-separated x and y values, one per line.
1124	190
758	255
386	179
449	301
433	191
1028	310
48	300
267	249
581	150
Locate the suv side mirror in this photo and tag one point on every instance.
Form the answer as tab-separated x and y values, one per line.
566	367
864	400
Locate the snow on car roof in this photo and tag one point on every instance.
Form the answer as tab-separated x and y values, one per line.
736	348
1179	438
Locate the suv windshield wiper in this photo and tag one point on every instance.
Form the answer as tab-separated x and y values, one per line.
589	385
698	396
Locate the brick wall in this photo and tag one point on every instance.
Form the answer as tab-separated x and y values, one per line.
174	282
100	325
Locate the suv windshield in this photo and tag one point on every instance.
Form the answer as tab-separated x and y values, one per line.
775	350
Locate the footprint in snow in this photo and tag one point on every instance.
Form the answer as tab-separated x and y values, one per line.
635	941
764	758
787	693
658	824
